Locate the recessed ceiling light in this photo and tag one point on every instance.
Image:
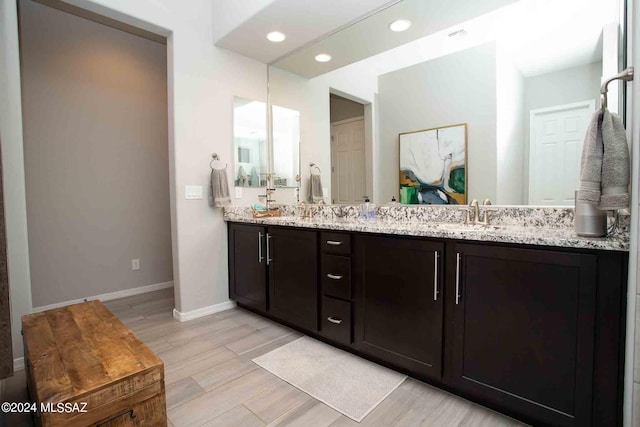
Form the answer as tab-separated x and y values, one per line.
276	36
323	57
458	34
400	25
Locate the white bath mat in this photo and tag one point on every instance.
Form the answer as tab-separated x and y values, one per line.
347	383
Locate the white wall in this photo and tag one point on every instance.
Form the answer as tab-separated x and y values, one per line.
509	132
203	80
457	88
13	172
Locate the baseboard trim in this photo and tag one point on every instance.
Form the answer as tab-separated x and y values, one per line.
18	364
204	311
109	296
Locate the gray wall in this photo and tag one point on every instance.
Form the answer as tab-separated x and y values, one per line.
96	156
342	108
458	88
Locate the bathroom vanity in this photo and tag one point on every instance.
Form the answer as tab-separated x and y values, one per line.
521	316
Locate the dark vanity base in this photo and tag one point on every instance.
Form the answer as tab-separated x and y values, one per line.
536	333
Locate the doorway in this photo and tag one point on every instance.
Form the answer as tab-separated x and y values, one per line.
557	136
348	151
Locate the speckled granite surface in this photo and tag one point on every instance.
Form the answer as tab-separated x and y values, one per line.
519	224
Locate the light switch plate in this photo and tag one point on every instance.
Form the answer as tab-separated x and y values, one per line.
193	192
238	192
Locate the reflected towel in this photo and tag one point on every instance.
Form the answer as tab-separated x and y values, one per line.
219	190
254	179
605	169
315	188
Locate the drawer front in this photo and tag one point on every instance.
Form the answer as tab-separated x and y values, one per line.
335	243
335	323
336	276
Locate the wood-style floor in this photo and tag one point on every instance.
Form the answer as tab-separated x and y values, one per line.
211	380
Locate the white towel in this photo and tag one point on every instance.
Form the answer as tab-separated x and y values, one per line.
315	188
219	188
605	169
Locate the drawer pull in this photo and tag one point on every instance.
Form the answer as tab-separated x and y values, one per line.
118	415
334	276
334	320
334	242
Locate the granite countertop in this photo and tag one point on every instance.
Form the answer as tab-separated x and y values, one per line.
525	232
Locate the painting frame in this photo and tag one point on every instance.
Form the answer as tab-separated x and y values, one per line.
446	189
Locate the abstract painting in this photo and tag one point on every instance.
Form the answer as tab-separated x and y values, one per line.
433	166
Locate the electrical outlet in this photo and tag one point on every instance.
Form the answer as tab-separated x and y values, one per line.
135	264
238	192
193	192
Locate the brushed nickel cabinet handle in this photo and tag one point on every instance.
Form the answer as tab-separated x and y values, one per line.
436	256
458	256
333	320
260	257
268	250
334	242
334	277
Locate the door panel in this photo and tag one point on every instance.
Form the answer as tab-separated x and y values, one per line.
557	135
247	265
293	276
523	330
348	157
397	318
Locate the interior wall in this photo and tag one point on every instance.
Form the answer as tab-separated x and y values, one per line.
510	132
6	353
343	109
457	88
13	173
203	80
96	156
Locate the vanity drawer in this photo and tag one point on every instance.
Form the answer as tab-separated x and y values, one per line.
335	243
335	322
336	276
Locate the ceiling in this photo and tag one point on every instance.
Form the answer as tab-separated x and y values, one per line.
539	35
303	22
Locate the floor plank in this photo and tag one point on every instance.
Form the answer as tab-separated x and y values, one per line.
211	380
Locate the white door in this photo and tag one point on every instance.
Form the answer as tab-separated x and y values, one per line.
348	161
556	139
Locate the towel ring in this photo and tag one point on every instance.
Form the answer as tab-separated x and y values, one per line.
313	165
626	75
215	158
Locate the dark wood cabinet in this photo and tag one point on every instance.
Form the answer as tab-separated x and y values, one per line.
293	276
523	334
247	265
398	302
534	332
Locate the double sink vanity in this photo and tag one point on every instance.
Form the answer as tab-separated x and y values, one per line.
522	315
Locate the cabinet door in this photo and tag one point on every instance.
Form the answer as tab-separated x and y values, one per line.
523	330
398	302
293	276
247	265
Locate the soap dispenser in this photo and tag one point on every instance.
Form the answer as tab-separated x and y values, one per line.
364	209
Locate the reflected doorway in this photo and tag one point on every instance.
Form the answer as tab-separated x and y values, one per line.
348	150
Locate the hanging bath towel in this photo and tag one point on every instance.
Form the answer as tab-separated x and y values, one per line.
219	188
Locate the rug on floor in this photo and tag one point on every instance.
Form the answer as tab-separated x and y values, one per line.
347	383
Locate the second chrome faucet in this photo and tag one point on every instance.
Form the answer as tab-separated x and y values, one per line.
476	213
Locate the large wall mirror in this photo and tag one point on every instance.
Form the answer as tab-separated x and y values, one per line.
523	77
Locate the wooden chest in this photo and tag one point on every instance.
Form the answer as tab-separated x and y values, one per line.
81	357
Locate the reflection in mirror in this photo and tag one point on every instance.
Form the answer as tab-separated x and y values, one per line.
523	75
286	146
249	142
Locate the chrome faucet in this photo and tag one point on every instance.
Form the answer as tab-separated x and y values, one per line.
485	219
476	212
